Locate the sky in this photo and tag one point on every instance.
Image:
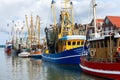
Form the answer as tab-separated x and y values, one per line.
15	10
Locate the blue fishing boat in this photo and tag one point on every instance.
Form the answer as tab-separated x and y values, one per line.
63	45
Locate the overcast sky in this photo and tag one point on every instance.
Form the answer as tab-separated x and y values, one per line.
17	9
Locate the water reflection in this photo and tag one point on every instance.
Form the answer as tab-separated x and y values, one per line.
65	72
27	68
15	68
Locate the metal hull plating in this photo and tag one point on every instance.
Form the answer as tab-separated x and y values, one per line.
66	57
102	69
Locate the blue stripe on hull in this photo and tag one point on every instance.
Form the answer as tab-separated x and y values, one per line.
66	57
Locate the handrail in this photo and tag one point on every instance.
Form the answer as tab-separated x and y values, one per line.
101	60
104	33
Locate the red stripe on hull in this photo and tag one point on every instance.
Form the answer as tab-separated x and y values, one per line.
101	68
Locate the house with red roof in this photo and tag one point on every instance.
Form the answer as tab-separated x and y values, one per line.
111	23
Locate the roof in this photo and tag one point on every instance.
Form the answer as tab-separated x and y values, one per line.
74	37
99	20
115	20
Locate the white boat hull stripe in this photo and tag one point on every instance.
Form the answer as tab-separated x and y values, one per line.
100	71
61	57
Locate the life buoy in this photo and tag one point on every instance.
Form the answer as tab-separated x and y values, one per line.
92	53
118	49
99	30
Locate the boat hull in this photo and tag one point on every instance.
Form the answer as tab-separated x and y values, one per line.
24	54
8	51
66	57
35	56
101	69
16	52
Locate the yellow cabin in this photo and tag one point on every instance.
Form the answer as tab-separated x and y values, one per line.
70	42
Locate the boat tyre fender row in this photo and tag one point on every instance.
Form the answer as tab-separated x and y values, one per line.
92	52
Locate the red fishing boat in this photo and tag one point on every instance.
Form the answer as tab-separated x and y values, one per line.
103	69
104	57
8	48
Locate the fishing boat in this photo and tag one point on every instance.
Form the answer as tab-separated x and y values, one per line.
8	48
24	54
63	46
33	41
36	54
104	57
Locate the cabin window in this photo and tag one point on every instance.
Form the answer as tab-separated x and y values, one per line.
69	43
97	45
82	42
78	43
115	42
105	43
74	43
102	44
91	44
94	44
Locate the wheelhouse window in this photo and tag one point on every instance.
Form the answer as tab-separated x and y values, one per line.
74	43
82	42
69	43
78	43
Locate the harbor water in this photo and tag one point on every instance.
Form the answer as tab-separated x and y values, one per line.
15	68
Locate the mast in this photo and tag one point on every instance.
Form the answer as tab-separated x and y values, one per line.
94	15
29	36
38	31
31	30
71	6
66	19
13	33
54	14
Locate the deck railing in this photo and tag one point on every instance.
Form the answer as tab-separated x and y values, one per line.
103	60
104	33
